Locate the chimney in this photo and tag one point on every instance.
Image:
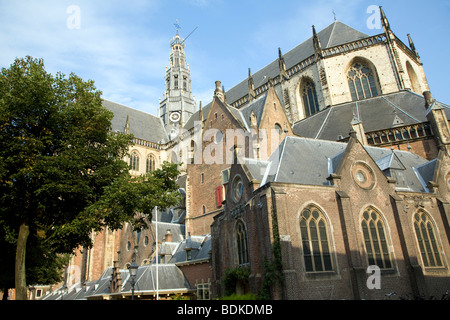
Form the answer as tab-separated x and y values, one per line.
218	92
428	99
168	236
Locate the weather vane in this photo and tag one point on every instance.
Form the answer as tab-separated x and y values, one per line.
177	26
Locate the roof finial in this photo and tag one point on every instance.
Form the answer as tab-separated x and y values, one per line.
317	44
200	114
334	14
384	20
251	86
412	46
177	26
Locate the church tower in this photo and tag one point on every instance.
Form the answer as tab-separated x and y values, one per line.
178	104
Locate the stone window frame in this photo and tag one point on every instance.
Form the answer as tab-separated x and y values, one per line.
150	163
306	240
308	94
241	243
374	228
134	160
373	81
436	248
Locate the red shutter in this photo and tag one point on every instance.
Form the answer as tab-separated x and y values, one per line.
219	196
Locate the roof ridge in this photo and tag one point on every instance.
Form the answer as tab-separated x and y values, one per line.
397	107
331	34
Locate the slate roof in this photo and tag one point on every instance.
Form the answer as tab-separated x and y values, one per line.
142	125
98	287
170	279
200	248
177	230
310	162
335	34
378	113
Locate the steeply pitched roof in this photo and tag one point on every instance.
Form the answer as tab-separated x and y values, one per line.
335	34
170	279
378	113
142	125
308	161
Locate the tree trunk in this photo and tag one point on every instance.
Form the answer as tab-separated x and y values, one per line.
20	277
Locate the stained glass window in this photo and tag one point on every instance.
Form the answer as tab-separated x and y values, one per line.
361	82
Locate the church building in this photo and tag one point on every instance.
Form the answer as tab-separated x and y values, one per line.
322	170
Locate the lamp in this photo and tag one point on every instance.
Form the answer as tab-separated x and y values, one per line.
133	268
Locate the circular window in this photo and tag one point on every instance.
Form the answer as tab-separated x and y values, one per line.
363	175
237	188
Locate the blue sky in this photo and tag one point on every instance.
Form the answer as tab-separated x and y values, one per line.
124	45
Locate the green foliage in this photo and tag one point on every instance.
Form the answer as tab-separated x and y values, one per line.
62	172
247	296
274	268
232	277
124	197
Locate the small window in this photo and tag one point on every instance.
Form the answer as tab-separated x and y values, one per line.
203	291
278	128
188	254
202	177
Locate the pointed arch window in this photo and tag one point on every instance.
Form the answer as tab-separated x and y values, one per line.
150	163
315	241
375	239
428	246
309	97
241	243
361	81
134	161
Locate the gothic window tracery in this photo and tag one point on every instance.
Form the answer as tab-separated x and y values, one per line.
134	161
241	243
375	239
428	246
361	81
309	97
315	241
150	163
